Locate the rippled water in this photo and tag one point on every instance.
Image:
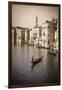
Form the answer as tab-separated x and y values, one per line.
24	72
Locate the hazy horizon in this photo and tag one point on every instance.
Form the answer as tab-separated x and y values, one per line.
25	15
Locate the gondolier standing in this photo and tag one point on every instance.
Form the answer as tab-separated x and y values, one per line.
32	58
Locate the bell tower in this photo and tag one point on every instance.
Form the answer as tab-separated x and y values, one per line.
36	22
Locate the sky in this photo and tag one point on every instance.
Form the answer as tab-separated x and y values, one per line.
25	15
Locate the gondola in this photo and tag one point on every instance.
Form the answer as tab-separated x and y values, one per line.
36	60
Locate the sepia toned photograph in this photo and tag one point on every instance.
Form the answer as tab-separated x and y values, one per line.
34	44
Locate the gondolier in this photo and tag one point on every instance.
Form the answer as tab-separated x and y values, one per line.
32	58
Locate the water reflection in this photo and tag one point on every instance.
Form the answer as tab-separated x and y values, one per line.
24	72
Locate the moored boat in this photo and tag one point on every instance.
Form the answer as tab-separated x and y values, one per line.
53	52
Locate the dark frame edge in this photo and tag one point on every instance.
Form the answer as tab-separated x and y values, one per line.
9	45
33	3
59	44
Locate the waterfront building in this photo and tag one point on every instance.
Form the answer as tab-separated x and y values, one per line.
53	29
14	35
48	33
45	36
56	46
27	35
35	33
20	35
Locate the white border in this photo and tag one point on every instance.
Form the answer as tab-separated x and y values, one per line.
4	44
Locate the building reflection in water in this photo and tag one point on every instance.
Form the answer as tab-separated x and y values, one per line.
25	72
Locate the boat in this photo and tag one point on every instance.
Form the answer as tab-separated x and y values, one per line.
53	52
36	60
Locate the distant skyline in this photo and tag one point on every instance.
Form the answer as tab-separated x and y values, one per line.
25	15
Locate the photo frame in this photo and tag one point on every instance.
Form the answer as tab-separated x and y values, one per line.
33	44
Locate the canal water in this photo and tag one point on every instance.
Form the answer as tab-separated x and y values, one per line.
24	72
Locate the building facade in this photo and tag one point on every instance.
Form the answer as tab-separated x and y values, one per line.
44	36
20	35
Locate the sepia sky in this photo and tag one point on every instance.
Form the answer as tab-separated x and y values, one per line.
24	15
